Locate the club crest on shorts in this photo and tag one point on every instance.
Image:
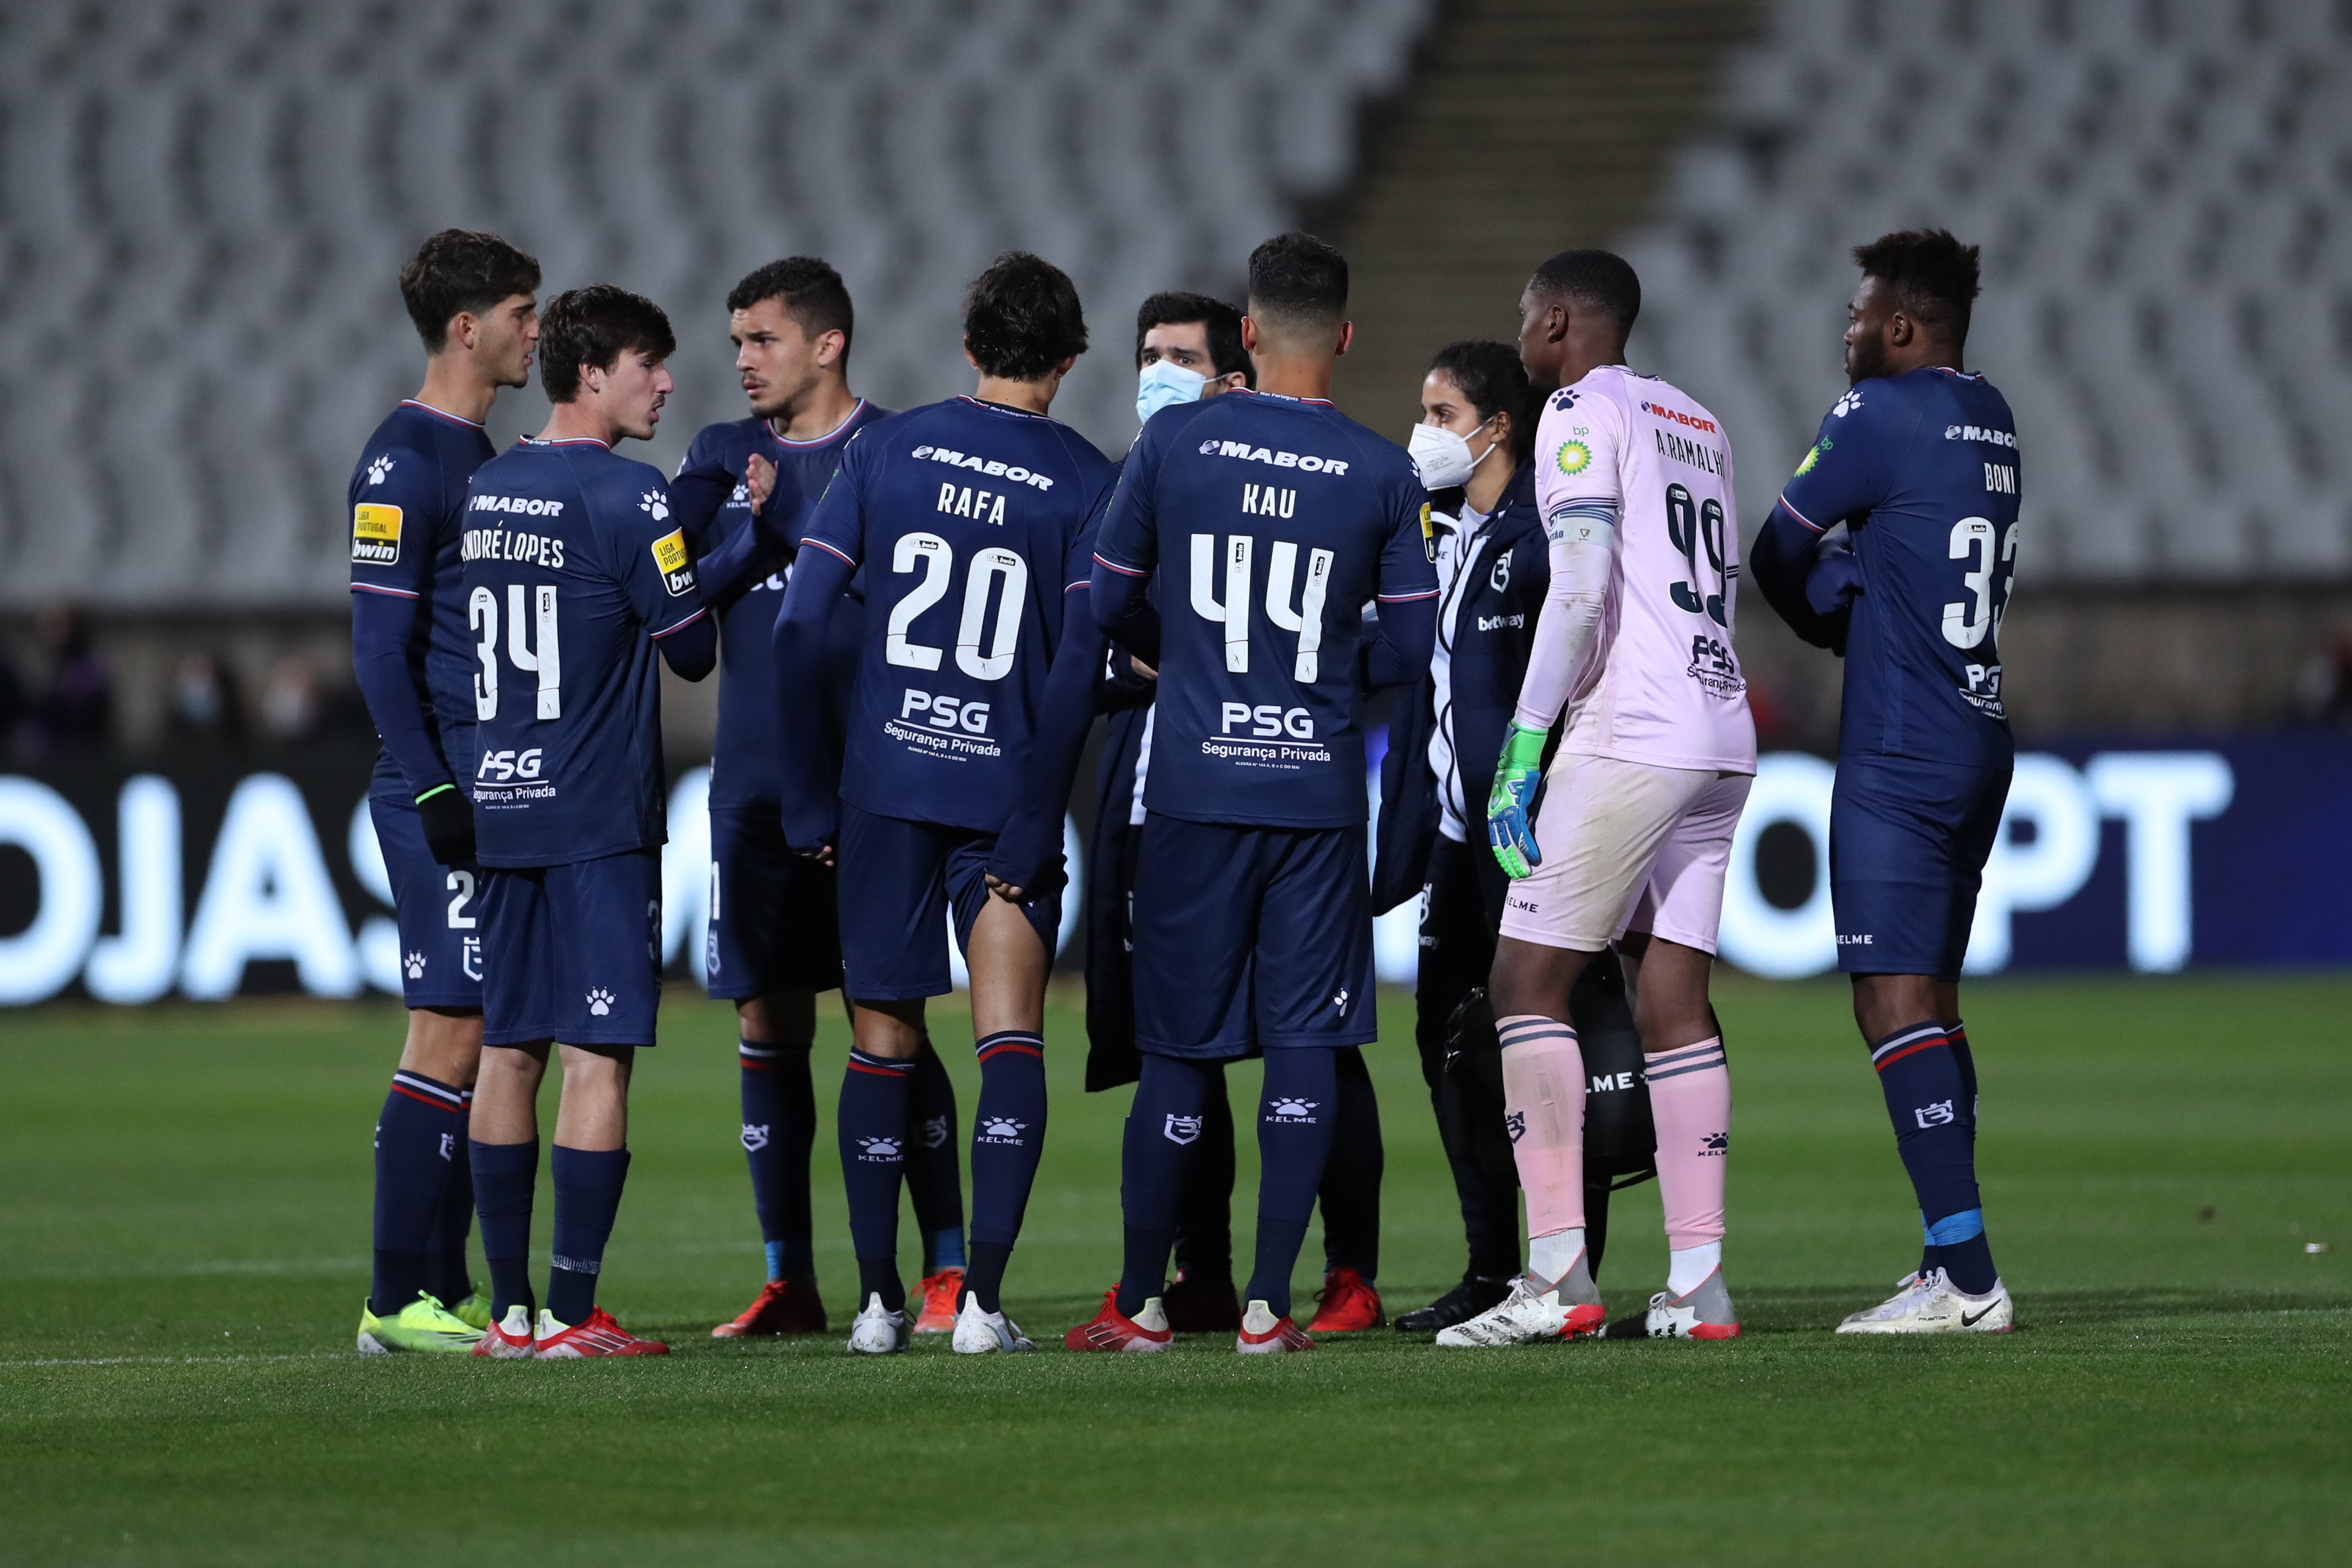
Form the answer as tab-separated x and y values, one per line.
1183	1129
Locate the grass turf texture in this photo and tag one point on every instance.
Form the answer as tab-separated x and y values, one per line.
183	1256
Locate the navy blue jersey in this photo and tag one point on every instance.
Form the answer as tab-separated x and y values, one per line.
1274	521
970	521
743	755
1922	470
573	565
407	499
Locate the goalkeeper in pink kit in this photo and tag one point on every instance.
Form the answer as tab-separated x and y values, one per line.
1633	833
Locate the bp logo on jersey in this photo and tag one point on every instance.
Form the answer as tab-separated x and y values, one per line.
376	535
1573	458
1812	457
677	566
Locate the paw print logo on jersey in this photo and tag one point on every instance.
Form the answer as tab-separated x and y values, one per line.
999	1129
414	965
656	505
380	470
1848	403
755	1136
1287	1108
935	1131
600	1003
1515	1124
1183	1129
880	1151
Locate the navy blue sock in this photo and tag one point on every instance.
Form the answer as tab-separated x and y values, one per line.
1934	1131
446	1259
1008	1134
779	1135
1205	1224
588	1185
1351	1190
934	1164
1295	1119
418	1133
504	1175
1163	1126
873	1130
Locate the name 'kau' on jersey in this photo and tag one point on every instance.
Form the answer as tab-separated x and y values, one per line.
971	520
1922	470
574	566
1271	521
1663	685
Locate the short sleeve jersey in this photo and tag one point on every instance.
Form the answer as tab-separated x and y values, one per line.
972	522
407	502
573	568
1664	687
743	755
1922	470
1273	521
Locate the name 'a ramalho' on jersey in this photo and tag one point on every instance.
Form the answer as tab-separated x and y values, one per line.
1922	470
573	567
1273	522
972	522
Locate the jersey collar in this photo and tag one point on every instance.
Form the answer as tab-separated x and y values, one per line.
439	413
1285	397
1000	407
814	442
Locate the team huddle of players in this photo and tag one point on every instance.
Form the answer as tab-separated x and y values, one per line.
919	615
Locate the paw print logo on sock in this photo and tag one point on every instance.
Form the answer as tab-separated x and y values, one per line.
935	1131
656	505
755	1136
1183	1129
882	1151
1001	1129
1515	1124
414	964
1290	1109
1716	1143
380	470
600	1003
1847	404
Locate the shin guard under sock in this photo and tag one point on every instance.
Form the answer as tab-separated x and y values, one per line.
504	1176
934	1164
417	1134
1349	1194
452	1280
873	1131
588	1183
779	1136
1934	1118
1296	1114
1163	1127
1543	1102
1690	1101
1008	1134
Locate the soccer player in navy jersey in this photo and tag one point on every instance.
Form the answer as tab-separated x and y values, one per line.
1919	462
1273	518
576	572
773	942
973	520
473	298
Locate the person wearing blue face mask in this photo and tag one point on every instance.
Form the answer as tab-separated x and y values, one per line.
1187	347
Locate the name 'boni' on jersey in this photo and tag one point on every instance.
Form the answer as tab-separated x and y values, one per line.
971	520
1922	470
1664	685
1272	522
573	565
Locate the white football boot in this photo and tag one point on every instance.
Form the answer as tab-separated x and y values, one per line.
1702	1312
983	1334
875	1331
1932	1304
1533	1312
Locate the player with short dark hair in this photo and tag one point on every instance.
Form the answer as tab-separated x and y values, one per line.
1919	462
973	520
473	300
1187	347
577	570
1252	921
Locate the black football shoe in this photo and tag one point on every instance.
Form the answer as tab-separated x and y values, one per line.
1459	1305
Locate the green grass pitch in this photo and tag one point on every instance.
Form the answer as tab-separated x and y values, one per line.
183	1232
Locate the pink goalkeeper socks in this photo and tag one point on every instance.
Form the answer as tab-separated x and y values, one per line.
1690	1102
1543	1093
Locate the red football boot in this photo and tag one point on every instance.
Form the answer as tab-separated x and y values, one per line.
1113	1330
940	1303
1202	1306
594	1335
1347	1303
783	1307
1263	1333
510	1341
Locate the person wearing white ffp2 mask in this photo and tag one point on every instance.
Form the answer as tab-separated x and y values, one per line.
1444	453
1187	346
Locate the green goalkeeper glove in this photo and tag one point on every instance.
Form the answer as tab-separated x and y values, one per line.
1515	777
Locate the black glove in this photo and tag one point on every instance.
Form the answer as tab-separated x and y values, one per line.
448	824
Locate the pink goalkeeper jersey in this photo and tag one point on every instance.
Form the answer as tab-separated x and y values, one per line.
1663	685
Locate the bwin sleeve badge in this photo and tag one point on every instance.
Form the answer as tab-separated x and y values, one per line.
675	564
376	535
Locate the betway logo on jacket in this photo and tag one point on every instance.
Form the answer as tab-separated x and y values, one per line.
1250	454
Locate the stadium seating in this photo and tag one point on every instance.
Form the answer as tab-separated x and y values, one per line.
204	208
2160	188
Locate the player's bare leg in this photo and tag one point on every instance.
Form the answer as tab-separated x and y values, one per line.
1009	960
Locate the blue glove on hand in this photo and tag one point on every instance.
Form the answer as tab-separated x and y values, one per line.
1515	777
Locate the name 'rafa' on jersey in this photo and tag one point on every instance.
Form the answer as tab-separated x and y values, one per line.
1922	468
574	566
1271	522
972	521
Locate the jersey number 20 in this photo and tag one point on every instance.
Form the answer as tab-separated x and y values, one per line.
935	557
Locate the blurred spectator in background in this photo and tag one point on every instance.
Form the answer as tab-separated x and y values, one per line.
74	709
290	700
204	706
11	702
2326	686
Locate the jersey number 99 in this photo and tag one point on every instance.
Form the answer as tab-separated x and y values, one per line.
1691	529
543	656
935	558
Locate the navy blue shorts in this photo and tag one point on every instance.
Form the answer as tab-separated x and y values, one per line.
438	909
1251	936
572	953
1908	841
773	926
899	882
